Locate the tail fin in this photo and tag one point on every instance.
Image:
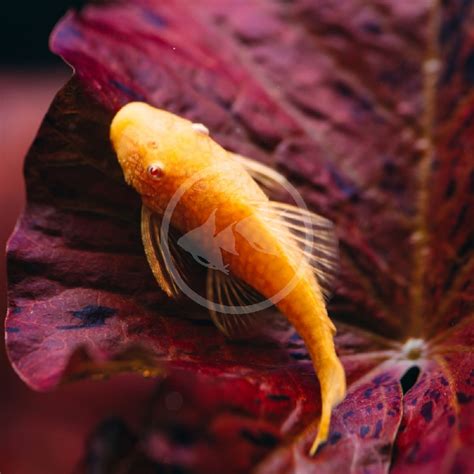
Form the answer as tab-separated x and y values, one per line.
333	390
317	332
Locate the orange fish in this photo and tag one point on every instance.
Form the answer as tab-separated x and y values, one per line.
256	250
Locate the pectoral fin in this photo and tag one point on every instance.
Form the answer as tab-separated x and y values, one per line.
166	266
229	291
270	180
311	234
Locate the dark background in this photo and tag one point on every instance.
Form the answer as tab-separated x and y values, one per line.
41	433
25	29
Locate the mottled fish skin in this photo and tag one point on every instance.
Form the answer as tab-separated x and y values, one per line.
144	136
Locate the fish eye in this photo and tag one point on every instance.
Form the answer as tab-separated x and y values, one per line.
155	170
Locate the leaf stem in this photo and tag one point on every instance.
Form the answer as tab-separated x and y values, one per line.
421	236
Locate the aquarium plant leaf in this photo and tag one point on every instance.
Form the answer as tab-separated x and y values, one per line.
368	109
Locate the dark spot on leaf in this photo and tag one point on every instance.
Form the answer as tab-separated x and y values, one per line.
278	397
463	398
181	434
334	437
321	447
368	393
469	68
451	420
137	329
200	322
384	449
380	379
389	167
127	90
378	428
364	430
299	355
371	27
91	316
459	221
17	310
109	443
449	28
344	185
347	414
343	89
409	379
262	438
413	451
450	189
391	412
295	337
154	19
466	246
30	268
451	62
434	395
379	405
12	329
443	381
427	411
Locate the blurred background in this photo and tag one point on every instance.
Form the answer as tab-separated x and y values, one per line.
41	433
25	30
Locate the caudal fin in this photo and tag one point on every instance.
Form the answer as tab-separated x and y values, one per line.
333	390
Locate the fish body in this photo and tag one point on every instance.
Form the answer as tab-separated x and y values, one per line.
228	223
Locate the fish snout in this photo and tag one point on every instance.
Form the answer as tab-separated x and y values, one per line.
125	134
134	114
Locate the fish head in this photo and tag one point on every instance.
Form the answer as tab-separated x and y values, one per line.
156	149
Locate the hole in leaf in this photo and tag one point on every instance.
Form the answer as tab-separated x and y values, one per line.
409	378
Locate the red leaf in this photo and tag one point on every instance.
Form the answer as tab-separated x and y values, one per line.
368	108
